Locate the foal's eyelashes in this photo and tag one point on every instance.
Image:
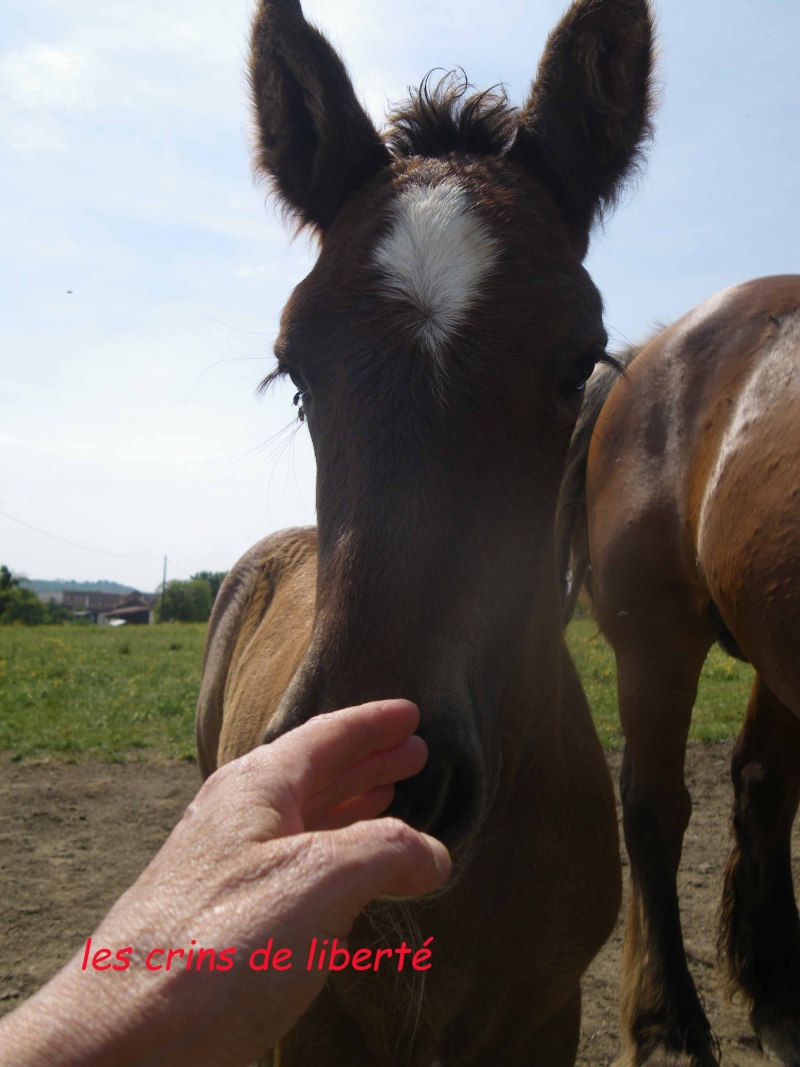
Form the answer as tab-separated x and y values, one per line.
298	381
581	369
283	370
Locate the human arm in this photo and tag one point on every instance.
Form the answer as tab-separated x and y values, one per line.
281	843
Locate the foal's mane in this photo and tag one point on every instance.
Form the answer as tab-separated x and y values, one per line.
572	534
444	117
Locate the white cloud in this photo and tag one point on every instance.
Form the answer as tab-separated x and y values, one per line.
51	78
41	134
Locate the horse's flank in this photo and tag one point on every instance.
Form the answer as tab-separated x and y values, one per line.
692	530
257	586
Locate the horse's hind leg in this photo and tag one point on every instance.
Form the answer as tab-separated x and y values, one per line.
663	1022
760	932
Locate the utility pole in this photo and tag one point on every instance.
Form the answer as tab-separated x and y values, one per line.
163	591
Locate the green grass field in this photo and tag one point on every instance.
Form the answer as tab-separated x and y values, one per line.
721	700
70	692
93	691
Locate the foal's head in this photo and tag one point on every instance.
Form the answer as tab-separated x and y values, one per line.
440	346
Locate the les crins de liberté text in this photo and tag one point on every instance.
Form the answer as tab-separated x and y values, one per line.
322	955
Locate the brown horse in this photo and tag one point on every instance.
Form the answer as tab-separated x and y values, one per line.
688	510
439	348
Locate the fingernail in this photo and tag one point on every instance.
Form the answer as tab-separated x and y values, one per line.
441	857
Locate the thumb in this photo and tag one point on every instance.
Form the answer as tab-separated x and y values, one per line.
381	857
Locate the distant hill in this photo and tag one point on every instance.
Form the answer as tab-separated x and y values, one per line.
40	585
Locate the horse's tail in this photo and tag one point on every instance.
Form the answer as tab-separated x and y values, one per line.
572	528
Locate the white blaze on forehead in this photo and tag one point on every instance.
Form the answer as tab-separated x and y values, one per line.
436	255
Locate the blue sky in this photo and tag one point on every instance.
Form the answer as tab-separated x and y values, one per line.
128	420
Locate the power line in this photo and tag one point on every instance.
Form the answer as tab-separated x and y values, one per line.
255	333
74	544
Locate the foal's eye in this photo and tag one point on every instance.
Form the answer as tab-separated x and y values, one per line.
299	382
580	370
301	396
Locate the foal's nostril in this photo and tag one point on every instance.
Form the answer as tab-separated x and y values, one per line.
443	800
460	805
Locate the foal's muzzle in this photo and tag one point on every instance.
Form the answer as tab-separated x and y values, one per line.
448	798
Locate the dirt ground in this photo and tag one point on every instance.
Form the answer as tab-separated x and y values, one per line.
72	837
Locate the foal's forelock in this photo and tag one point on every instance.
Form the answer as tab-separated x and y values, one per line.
437	252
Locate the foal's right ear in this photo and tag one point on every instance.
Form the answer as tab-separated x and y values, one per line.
588	112
314	140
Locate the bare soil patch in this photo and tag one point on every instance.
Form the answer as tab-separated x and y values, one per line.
73	837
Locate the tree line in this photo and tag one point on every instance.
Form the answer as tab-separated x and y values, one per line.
190	601
181	601
21	605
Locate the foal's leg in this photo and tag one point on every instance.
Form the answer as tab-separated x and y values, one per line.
328	1037
663	1022
760	932
553	1044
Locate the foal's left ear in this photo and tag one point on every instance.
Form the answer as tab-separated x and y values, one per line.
314	139
589	108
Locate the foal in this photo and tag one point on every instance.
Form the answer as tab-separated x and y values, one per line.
439	349
683	491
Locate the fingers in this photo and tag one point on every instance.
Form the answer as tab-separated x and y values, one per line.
377	769
383	857
366	806
319	752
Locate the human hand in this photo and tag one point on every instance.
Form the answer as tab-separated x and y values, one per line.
229	875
